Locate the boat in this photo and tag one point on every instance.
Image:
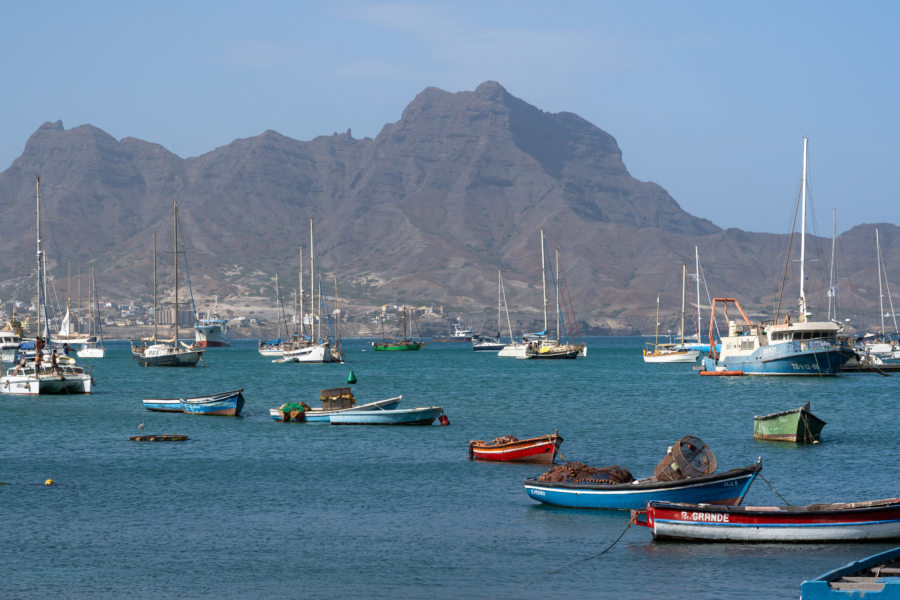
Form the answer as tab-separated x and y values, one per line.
881	347
839	522
47	373
228	403
672	353
275	347
484	343
211	331
797	425
93	347
330	406
729	487
784	347
508	448
154	352
404	343
10	339
422	415
873	577
514	349
460	334
547	348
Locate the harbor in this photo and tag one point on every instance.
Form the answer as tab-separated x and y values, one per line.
401	511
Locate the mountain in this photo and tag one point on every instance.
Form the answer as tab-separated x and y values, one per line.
425	213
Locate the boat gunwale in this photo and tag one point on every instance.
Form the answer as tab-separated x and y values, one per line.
647	484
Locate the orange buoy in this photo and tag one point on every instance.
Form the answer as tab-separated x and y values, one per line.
444	420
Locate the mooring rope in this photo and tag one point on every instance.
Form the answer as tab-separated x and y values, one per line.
774	490
605	550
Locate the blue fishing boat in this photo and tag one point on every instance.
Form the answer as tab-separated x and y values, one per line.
224	403
785	347
873	577
727	488
423	415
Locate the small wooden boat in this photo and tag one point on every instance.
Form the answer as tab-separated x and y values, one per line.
839	522
224	403
510	449
797	425
334	401
872	577
727	488
423	415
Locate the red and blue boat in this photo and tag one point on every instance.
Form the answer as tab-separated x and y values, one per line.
508	448
839	522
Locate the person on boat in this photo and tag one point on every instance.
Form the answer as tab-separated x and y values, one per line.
21	364
65	349
54	366
38	350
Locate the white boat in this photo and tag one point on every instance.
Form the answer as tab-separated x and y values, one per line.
304	352
166	353
93	348
40	376
672	353
211	331
322	415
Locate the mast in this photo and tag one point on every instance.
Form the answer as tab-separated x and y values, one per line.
314	332
803	309
544	281
301	290
42	309
832	292
697	260
277	310
556	288
880	291
175	212
499	326
656	337
155	307
90	302
337	313
683	285
503	291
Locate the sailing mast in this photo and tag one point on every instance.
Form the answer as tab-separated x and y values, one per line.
155	303
556	288
832	292
314	331
697	260
804	313
683	285
175	212
42	301
544	281
302	335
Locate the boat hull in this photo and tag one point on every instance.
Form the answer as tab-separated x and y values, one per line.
226	404
164	355
849	522
319	353
68	380
211	335
676	356
396	346
163	404
872	577
318	415
540	450
398	416
783	359
798	426
514	350
727	488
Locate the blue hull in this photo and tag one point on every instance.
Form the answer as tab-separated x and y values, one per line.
163	404
398	416
726	488
227	405
784	359
820	588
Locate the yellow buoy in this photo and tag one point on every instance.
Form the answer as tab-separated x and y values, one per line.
48	482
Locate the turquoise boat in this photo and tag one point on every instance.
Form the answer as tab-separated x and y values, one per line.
798	425
423	415
873	577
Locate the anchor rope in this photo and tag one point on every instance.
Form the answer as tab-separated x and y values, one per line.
604	551
774	490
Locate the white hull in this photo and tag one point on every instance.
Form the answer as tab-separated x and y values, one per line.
320	353
211	335
68	380
686	356
91	353
774	533
514	350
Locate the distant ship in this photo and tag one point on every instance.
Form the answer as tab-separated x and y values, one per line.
211	332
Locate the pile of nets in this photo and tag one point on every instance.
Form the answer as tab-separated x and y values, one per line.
576	472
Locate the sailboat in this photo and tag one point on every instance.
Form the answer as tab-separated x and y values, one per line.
93	348
671	353
513	349
803	347
273	347
315	348
546	348
402	344
483	343
44	375
155	352
881	346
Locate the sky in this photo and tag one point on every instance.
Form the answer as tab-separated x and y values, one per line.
709	99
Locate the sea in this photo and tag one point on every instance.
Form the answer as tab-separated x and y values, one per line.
254	508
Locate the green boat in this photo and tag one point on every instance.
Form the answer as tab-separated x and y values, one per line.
397	345
799	426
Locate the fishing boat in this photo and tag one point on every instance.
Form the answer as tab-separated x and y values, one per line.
211	331
508	448
154	352
404	343
672	353
44	374
323	415
797	425
873	578
228	403
785	347
839	522
459	334
729	487
422	415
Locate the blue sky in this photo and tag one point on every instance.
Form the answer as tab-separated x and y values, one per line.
708	99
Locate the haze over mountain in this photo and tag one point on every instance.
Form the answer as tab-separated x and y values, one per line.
425	213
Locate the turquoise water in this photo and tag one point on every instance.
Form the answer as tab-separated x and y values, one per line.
250	507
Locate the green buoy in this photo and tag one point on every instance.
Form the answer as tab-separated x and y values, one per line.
351	378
